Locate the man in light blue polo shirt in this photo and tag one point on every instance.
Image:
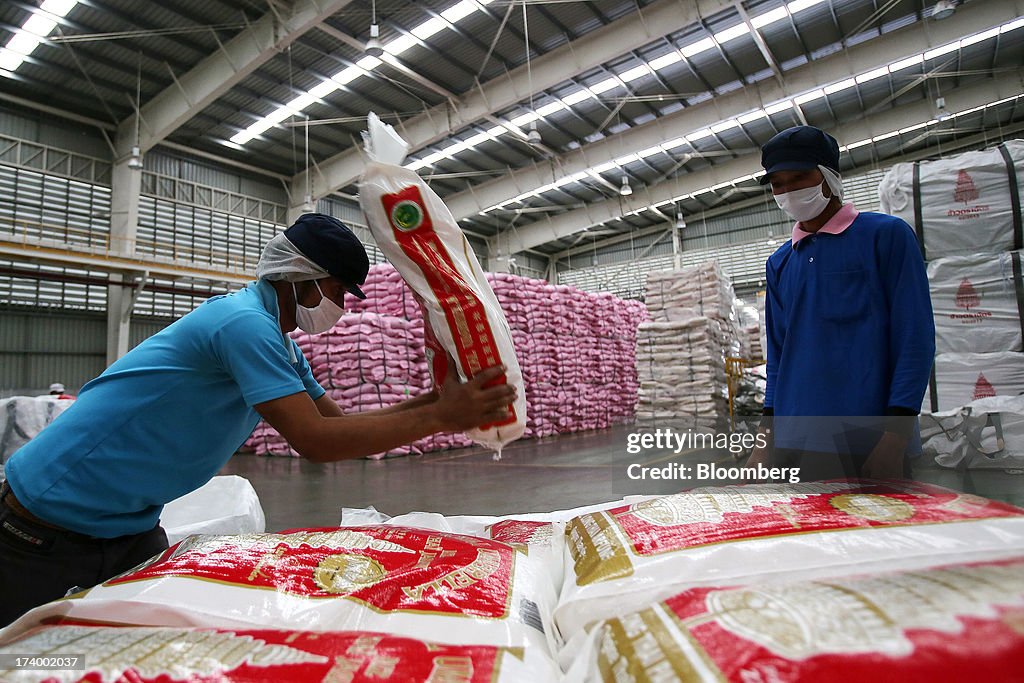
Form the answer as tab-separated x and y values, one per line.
83	499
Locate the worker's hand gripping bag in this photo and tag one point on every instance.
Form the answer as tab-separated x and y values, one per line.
959	622
164	654
620	559
418	235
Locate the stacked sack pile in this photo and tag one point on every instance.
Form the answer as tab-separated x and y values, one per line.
966	211
681	353
576	351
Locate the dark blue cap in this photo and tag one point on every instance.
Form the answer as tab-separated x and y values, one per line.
329	243
800	148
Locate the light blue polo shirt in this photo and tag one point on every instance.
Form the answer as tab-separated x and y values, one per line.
164	419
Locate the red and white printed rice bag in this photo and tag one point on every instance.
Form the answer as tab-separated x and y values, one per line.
158	655
955	623
419	583
623	558
419	236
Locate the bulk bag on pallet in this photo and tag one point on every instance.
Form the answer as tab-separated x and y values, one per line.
962	204
959	378
978	302
953	623
419	236
419	583
159	655
621	559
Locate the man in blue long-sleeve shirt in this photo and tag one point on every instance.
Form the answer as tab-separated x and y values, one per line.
849	321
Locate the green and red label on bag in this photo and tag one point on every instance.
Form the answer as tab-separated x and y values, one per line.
464	312
954	623
152	655
385	567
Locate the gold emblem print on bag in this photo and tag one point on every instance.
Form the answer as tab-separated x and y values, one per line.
342	574
873	507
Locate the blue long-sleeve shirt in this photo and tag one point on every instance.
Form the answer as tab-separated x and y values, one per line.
849	322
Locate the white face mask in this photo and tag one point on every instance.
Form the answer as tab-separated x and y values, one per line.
803	205
321	317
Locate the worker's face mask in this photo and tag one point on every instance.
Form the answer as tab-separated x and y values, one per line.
321	317
804	205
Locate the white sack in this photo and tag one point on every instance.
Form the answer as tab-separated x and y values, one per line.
966	200
223	505
975	302
964	377
418	234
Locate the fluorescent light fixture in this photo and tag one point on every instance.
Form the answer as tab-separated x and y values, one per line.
603	168
459	11
809	97
650	151
673	143
724	126
978	37
605	85
59	8
778	107
698	47
428	28
699	135
635	73
906	63
1011	26
841	85
39	24
872	75
324	89
762	20
524	119
400	44
659	63
551	108
885	136
859	143
576	97
627	159
801	5
732	33
942	50
752	116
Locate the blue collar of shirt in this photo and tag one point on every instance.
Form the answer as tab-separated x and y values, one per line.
268	297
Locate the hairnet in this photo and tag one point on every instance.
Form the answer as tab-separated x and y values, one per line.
281	260
835	183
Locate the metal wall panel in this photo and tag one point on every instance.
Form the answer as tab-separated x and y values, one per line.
39	128
39	348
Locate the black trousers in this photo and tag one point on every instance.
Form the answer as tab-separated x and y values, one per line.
39	564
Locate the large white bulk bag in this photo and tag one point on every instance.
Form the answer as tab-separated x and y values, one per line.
419	236
449	588
958	622
962	204
960	378
160	655
978	302
619	560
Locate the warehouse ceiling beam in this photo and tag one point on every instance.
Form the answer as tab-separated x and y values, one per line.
836	67
658	19
1007	84
210	79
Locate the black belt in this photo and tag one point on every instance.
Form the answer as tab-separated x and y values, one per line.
9	499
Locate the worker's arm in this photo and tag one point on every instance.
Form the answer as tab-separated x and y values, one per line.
328	407
329	438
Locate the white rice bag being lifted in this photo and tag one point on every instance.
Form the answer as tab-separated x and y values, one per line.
418	234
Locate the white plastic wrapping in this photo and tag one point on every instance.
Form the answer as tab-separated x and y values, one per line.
951	623
419	236
977	302
621	559
966	201
223	505
984	434
158	655
448	588
964	377
22	417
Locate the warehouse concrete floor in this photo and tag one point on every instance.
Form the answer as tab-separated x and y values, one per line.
532	476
